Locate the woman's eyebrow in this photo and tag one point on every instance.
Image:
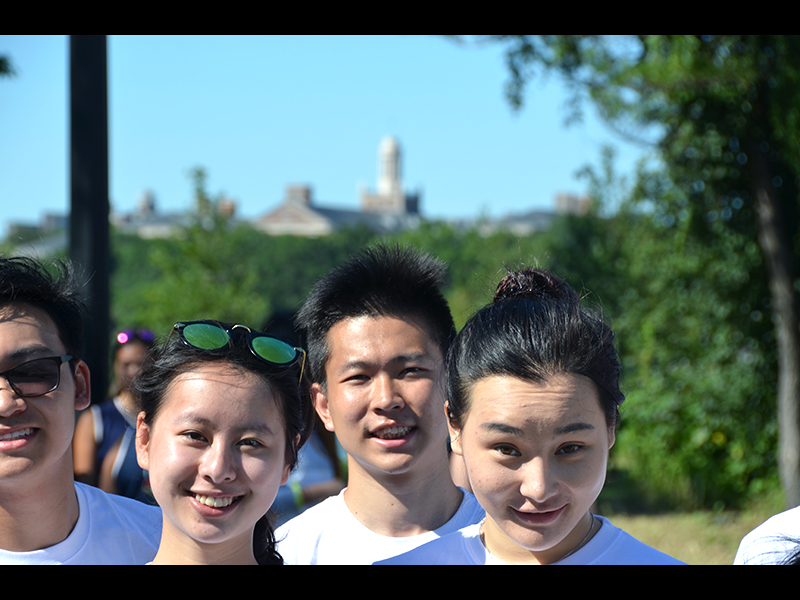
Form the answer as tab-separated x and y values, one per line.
507	429
573	427
191	419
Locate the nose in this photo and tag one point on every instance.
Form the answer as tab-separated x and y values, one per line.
10	402
218	463
386	394
539	482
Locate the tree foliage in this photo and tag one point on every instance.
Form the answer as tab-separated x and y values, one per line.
721	113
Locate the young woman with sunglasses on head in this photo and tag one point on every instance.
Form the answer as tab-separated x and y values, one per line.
224	411
532	403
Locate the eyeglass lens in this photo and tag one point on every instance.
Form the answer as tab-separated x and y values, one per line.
205	336
36	377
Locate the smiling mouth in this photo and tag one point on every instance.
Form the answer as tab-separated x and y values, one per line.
540	517
15	435
392	433
216	502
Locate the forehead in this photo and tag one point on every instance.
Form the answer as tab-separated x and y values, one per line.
380	338
27	330
221	393
542	406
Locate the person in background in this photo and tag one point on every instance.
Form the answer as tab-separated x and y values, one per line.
103	450
533	405
46	517
773	542
378	328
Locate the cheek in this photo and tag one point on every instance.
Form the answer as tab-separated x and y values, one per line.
490	481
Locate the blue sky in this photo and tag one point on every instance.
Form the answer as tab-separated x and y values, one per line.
262	112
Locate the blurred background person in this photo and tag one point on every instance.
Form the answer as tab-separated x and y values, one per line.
103	451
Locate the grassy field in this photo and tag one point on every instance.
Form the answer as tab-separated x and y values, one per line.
695	537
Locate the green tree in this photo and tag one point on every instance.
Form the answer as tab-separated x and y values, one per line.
196	275
722	113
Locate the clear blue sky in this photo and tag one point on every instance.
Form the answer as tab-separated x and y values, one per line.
259	113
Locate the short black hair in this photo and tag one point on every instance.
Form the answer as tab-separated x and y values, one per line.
536	327
379	281
24	280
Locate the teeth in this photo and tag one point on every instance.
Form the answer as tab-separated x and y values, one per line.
16	435
391	433
215	502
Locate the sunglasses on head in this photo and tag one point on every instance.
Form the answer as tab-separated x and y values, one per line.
212	335
36	377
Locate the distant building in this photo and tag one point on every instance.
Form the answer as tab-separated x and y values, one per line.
147	222
570	204
386	210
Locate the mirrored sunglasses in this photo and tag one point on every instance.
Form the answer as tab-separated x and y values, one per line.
212	335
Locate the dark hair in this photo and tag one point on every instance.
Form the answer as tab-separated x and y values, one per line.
535	327
294	402
24	280
379	281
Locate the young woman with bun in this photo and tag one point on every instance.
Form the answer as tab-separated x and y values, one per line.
533	406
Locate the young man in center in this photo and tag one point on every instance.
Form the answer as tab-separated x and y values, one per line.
378	329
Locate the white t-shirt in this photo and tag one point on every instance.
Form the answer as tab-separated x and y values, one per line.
609	546
767	543
111	530
329	534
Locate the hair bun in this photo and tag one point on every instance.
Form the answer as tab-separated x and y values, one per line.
533	284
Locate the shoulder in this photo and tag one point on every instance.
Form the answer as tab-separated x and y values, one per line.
314	516
768	542
469	512
300	536
462	547
613	546
117	522
110	530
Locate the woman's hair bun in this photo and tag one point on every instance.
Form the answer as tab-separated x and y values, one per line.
533	284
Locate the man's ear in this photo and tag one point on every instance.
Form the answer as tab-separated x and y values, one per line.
320	399
83	386
454	428
142	442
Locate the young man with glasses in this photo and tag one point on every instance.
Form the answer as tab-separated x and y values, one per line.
45	516
378	329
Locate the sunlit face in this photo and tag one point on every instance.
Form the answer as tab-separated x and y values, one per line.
36	433
536	458
215	453
384	394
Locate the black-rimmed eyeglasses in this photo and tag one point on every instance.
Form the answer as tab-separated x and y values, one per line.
36	377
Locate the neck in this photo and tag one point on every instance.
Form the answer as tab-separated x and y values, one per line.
402	505
37	514
176	548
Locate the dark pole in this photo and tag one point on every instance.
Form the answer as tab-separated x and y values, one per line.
89	235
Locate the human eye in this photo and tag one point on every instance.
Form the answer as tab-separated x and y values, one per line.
411	371
569	449
356	378
506	450
193	436
252	443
